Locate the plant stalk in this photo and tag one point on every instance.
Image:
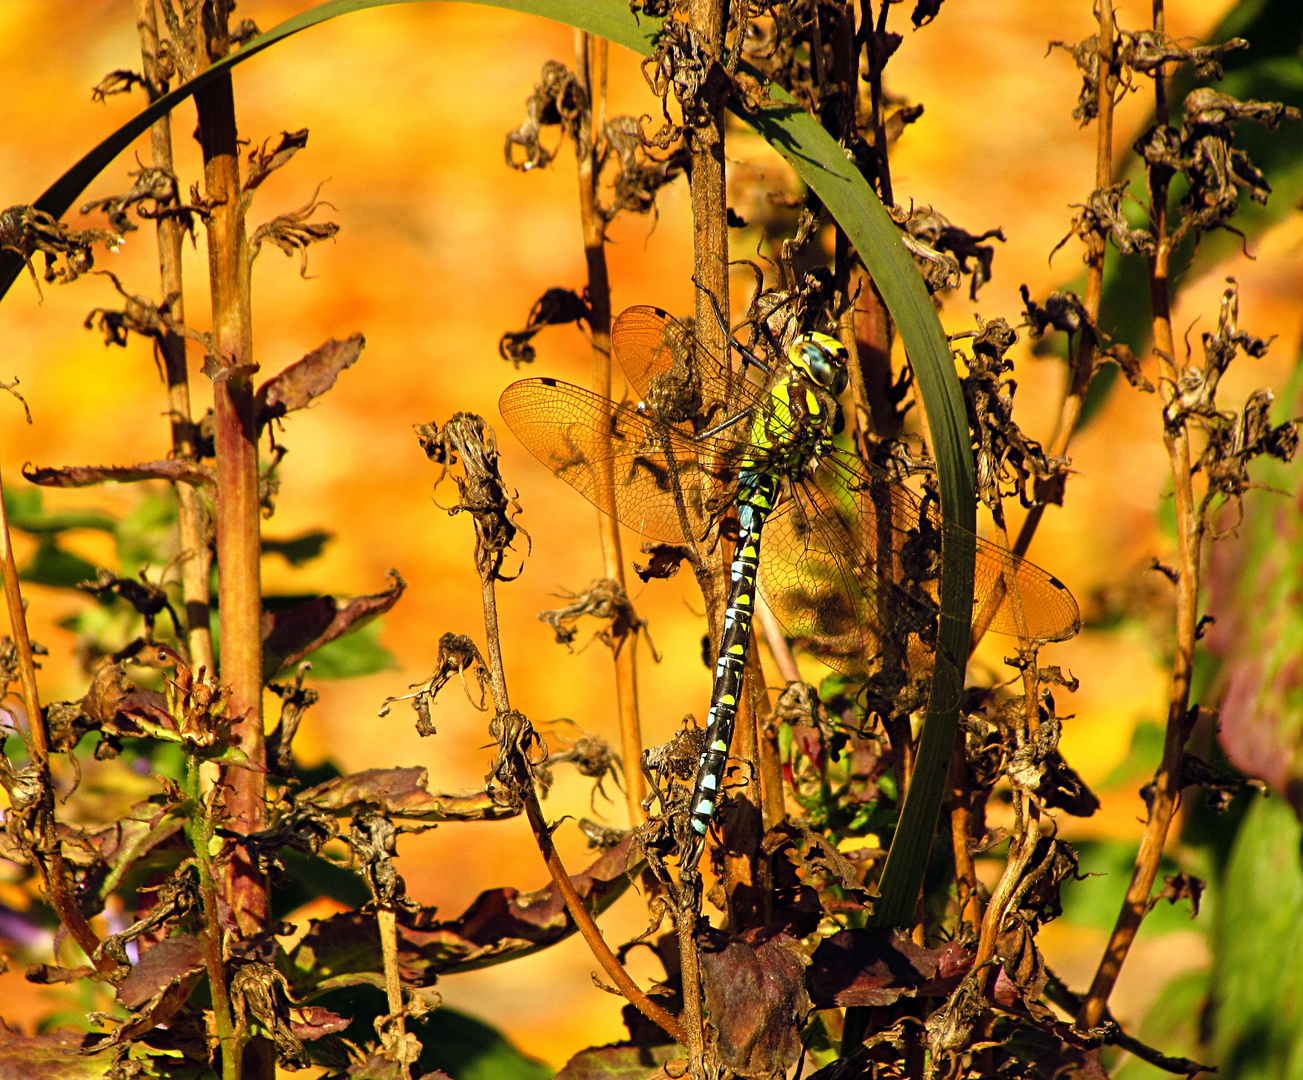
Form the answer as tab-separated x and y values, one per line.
1166	792
196	557
47	851
591	60
238	554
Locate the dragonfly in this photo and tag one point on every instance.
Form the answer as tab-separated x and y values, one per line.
850	560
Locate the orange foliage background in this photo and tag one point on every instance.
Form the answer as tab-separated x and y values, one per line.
441	249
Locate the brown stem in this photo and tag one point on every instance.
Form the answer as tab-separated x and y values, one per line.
1166	792
237	516
1026	833
1083	360
47	851
961	835
708	20
199	827
387	924
196	556
591	59
543	837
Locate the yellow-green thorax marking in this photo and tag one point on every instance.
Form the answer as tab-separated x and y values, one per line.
794	429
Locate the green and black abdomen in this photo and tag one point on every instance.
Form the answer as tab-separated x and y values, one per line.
757	494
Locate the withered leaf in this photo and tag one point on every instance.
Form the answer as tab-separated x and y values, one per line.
500	925
263	161
878	967
757	1002
401	793
75	476
58	1056
306	378
1178	887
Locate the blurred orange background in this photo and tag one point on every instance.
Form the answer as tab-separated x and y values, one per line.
441	249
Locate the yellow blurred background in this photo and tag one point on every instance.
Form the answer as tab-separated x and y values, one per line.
441	249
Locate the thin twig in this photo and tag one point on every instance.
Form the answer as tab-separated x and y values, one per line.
1166	786
591	59
47	852
1083	360
543	834
194	536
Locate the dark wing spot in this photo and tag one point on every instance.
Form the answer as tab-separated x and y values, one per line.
548	381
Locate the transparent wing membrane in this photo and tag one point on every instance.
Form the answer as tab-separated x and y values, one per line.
847	554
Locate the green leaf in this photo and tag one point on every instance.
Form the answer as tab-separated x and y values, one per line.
469	1049
297	550
51	565
353	655
26	511
1257	1000
310	876
1095	900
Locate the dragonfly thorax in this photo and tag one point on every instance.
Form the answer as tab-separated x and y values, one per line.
800	412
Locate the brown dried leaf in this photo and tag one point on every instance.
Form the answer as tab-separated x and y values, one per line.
263	161
306	378
401	793
500	925
59	1056
757	1002
74	476
878	967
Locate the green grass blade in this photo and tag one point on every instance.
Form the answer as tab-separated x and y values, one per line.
823	165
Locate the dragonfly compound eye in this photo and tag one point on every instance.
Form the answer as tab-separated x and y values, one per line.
824	359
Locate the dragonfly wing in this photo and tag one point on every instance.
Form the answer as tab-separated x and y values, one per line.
643	473
1010	594
679	378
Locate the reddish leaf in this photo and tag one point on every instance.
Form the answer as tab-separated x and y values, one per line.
402	793
620	1062
757	1002
49	1057
307	378
75	476
168	962
315	1022
878	967
288	636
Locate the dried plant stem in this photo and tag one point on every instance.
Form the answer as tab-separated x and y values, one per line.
237	524
1083	360
772	631
591	58
47	849
1166	791
196	559
199	828
1026	834
387	924
543	837
709	19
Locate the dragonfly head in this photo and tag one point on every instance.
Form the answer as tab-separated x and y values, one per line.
823	358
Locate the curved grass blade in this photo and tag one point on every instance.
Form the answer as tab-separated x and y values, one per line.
823	165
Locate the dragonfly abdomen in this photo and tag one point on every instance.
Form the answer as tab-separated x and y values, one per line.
757	494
